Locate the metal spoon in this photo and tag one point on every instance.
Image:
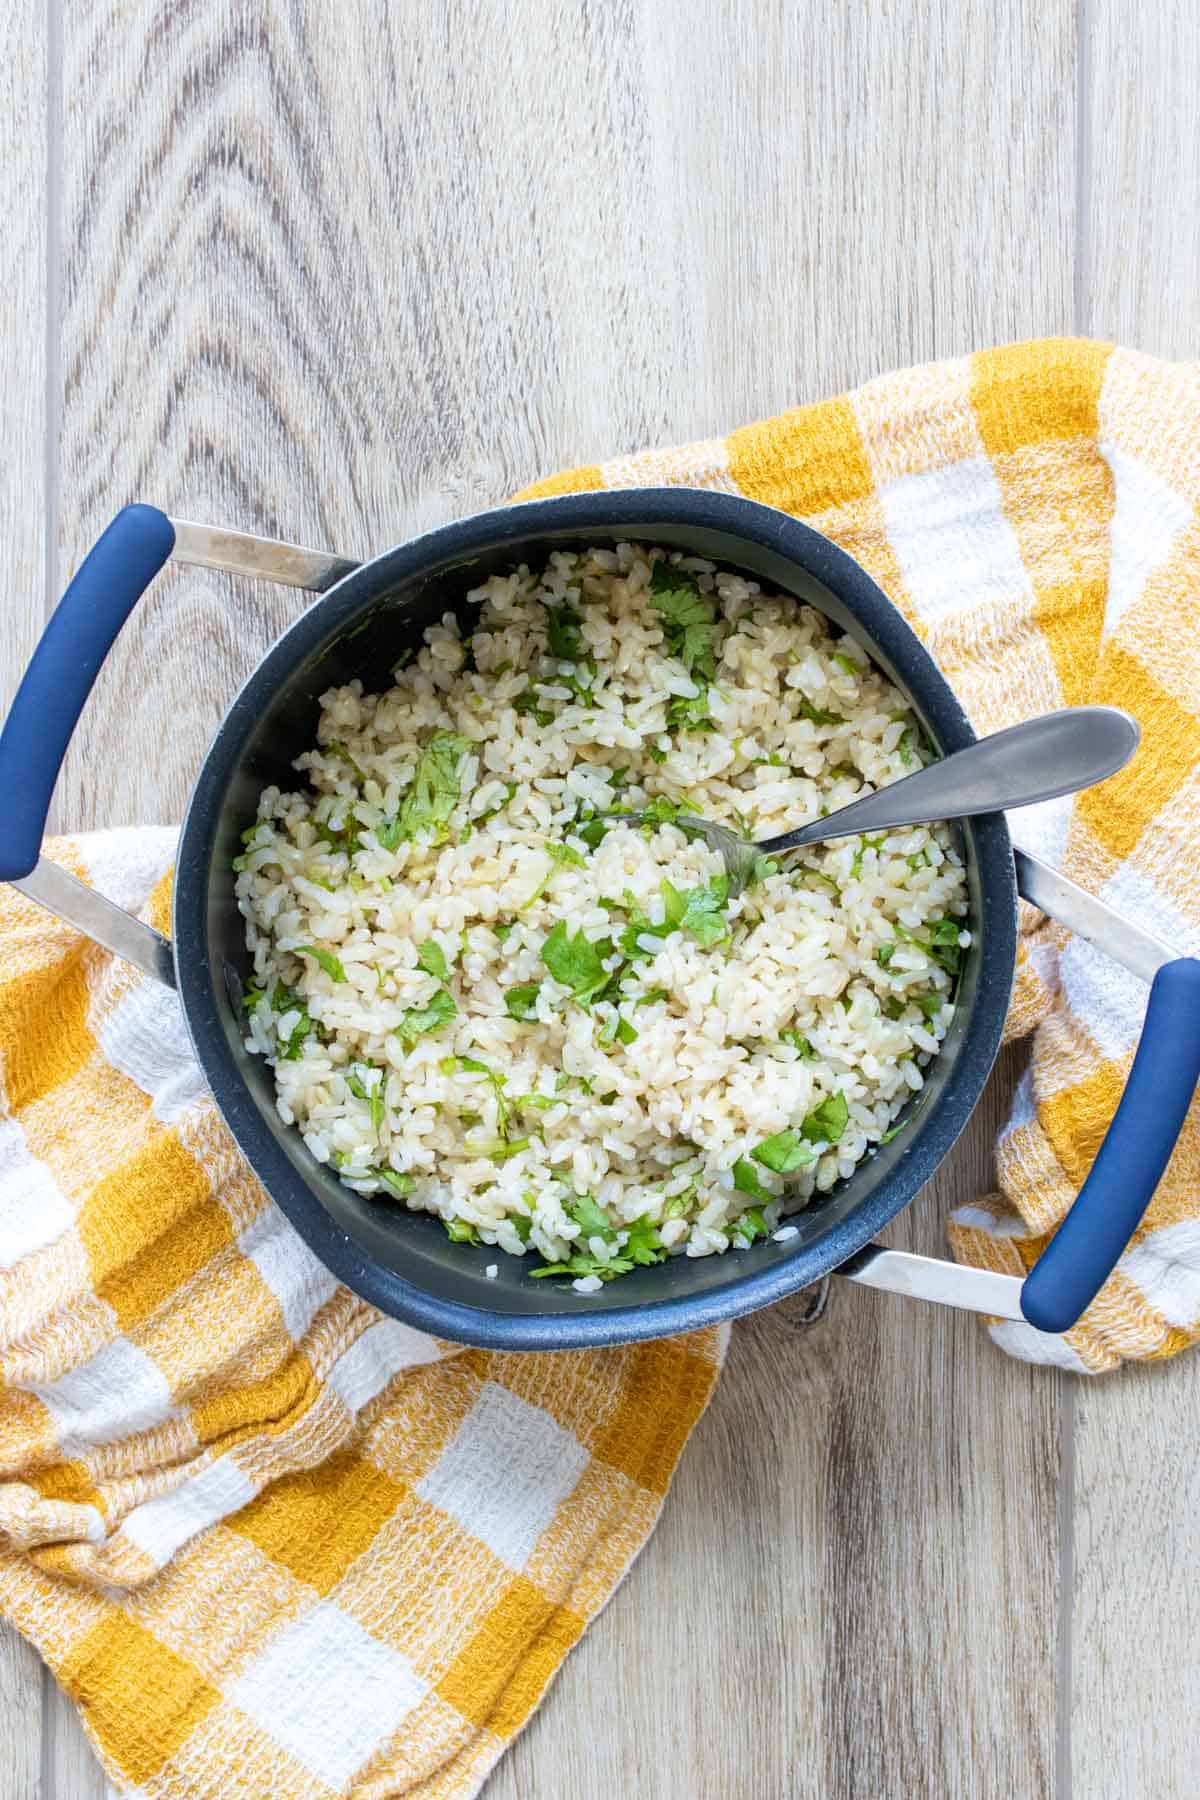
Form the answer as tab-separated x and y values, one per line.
1039	760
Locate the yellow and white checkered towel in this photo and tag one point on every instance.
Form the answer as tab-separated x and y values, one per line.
270	1541
273	1543
1033	513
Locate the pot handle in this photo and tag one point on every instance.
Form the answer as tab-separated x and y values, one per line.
1130	1162
82	629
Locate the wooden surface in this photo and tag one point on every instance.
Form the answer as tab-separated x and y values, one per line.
339	272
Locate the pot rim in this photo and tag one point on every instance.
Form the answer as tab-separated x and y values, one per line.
638	509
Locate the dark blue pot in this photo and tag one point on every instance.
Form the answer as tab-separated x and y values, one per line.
403	1262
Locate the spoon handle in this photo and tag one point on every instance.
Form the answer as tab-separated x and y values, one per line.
1039	760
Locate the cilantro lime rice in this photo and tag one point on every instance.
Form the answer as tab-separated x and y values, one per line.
562	1036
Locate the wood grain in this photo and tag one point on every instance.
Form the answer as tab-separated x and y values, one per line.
24	504
1135	1628
339	273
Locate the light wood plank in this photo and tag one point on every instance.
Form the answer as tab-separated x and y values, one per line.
23	508
1140	247
1135	1630
384	271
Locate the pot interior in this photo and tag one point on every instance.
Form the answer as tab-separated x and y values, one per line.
403	1261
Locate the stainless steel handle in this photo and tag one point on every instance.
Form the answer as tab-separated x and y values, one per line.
933	1278
1037	760
100	919
268	559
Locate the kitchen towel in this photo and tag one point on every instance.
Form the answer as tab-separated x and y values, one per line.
1032	511
272	1542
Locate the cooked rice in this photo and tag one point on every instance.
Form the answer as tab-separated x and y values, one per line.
642	1106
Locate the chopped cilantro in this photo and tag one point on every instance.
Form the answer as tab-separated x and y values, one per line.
593	832
784	1153
847	663
591	1218
930	1004
520	1002
746	1180
527	702
749	1226
798	1042
643	1245
331	964
815	715
521	1225
618	1029
827	1122
502	931
703	907
432	958
400	1185
689	618
563	853
893	1131
292	1048
581	1265
908	746
650	996
459	1232
418	1021
509	791
885	953
867	843
689	714
575	962
562	632
433	794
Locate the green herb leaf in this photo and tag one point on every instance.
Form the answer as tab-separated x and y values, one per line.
521	1225
746	1180
800	1043
434	792
703	909
591	1218
563	853
331	964
520	1002
527	702
885	953
650	996
930	1004
593	832
420	1020
562	632
749	1226
908	746
674	906
459	1232
575	962
848	663
893	1131
827	1122
689	618
643	1246
689	714
784	1153
580	1265
432	958
814	714
400	1185
292	1048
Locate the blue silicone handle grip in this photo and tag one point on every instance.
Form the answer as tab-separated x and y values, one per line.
111	580
1129	1163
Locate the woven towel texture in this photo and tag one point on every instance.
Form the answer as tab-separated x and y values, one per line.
1032	512
274	1543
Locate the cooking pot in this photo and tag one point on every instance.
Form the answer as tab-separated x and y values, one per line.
366	615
